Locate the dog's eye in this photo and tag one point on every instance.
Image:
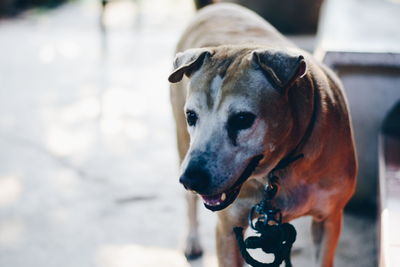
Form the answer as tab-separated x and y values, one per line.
241	121
191	117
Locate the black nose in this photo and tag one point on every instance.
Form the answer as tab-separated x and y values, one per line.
195	178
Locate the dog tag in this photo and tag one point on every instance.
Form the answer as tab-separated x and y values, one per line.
274	237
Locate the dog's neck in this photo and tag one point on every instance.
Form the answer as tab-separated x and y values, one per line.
297	149
295	152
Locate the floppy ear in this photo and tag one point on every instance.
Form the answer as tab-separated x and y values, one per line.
187	62
282	69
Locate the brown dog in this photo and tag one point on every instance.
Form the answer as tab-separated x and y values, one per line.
251	98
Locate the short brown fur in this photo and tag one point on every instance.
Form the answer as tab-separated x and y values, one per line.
319	185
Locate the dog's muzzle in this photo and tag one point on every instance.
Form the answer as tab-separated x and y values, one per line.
198	179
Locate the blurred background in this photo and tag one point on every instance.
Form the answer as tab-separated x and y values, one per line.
88	162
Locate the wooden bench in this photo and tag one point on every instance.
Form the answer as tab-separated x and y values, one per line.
389	187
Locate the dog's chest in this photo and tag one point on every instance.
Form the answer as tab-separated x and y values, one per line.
295	201
304	199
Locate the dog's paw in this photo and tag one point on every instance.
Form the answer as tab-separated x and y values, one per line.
193	249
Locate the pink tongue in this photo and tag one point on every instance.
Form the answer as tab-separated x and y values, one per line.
212	200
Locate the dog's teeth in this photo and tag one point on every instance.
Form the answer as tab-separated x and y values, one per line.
223	196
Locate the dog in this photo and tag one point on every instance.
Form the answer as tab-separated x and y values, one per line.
244	98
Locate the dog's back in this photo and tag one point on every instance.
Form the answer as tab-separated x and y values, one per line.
224	24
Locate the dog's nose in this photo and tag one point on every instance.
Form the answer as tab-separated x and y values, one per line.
195	178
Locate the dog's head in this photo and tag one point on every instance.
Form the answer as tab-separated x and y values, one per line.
238	115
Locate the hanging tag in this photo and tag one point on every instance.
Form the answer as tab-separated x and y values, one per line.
275	237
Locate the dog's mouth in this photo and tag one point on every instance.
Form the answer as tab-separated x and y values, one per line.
222	200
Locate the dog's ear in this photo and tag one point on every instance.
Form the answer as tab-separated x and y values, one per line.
282	69
187	62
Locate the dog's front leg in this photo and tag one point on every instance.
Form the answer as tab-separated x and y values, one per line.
326	236
227	248
193	248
